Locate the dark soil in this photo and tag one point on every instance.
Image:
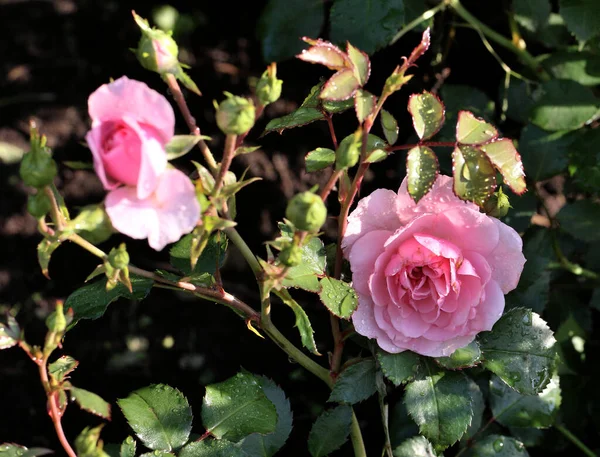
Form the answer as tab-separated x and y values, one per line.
54	53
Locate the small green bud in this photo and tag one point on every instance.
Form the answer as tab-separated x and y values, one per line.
348	152
268	89
118	257
56	321
38	205
156	51
306	211
497	205
235	115
38	168
291	255
93	224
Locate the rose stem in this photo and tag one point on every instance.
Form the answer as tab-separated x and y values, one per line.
189	120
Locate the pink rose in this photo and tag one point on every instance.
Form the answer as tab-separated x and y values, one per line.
131	124
430	275
171	211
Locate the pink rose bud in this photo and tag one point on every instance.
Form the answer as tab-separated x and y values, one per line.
429	275
131	124
170	212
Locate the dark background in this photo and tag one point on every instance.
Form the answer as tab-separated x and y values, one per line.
53	54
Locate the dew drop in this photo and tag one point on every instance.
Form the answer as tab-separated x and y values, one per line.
498	445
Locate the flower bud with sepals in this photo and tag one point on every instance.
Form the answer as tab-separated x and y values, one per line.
38	204
291	255
156	51
116	266
497	205
306	211
268	88
38	168
235	115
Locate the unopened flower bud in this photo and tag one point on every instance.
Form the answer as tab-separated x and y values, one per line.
348	152
118	257
306	211
235	115
156	51
38	205
291	256
268	88
497	205
38	168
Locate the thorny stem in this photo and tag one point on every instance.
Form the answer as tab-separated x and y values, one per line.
330	184
573	439
189	120
525	57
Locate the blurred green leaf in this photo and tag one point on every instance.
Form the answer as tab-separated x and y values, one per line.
400	368
564	105
90	402
523	207
128	447
89	444
520	350
415	447
581	220
582	17
92	300
479	406
579	66
330	431
544	154
512	409
389	126
10	154
474	175
62	367
159	415
554	34
356	383
427	112
531	14
213	253
364	102
319	159
520	97
422	169
302	322
180	145
212	448
283	22
367	25
584	160
339	297
10	333
238	407
497	446
441	405
16	450
465	357
257	445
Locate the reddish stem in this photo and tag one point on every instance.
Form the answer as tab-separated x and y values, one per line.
205	435
448	144
329	186
329	118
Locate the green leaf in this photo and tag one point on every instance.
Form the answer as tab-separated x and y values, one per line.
16	450
319	158
238	407
479	407
422	169
212	448
564	105
91	300
520	96
159	415
582	17
341	86
302	116
506	159
376	156
465	357
474	175
214	252
157	454
186	80
89	444
581	220
257	445
10	153
427	113
389	126
544	154
62	367
337	106
441	406
44	252
497	446
473	130
302	322
400	368
338	296
361	64
512	409
367	25
579	66
281	24
245	150
520	349
356	383
532	14
364	103
330	431
417	446
554	34
180	145
90	402
584	160
128	447
305	275
9	333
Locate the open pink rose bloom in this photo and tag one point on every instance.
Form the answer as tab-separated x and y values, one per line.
429	275
131	124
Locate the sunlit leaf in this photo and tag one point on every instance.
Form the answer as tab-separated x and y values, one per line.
319	158
356	383
302	323
422	169
582	17
389	126
360	64
427	113
497	446
474	175
417	446
464	357
339	297
340	86
400	368
90	402
62	367
364	103
506	159
180	145
473	130
324	53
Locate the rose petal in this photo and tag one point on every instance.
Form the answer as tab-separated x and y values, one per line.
362	256
128	97
507	259
490	309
